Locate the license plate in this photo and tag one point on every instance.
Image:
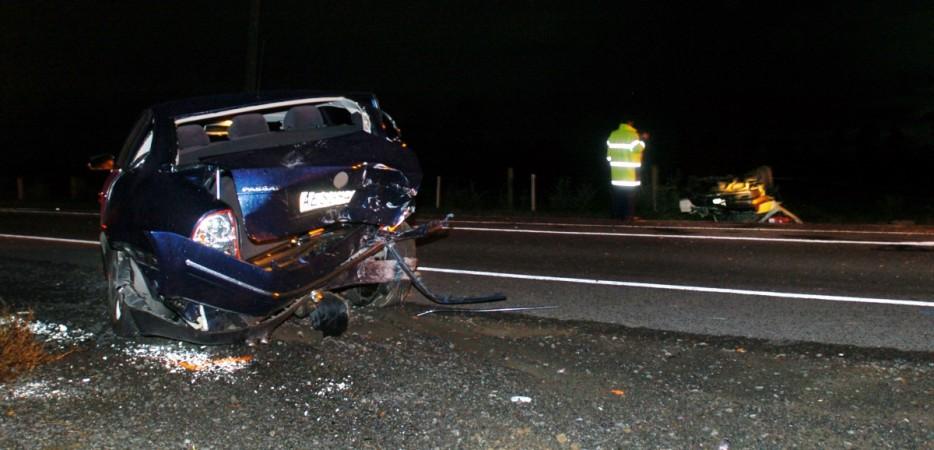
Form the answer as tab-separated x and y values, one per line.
312	200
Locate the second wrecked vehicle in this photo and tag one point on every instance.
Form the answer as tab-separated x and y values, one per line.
222	217
746	199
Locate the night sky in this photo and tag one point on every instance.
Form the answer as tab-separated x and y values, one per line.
841	90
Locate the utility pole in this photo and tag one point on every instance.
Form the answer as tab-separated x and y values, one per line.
252	48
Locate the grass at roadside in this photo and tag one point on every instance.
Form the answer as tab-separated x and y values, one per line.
20	351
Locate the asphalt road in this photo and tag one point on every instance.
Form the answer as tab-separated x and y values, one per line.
868	286
507	381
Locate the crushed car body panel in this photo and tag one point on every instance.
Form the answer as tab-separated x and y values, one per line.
193	271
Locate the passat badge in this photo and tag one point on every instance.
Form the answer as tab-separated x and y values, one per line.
254	189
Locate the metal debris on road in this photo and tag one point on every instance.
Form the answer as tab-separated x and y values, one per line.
484	310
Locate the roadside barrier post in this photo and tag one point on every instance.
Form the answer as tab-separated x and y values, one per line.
20	188
533	192
73	186
438	192
654	188
509	193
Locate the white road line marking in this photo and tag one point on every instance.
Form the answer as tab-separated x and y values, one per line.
558	224
48	212
676	287
49	239
686	227
716	238
679	287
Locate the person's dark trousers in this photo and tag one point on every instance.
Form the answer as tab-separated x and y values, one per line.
624	202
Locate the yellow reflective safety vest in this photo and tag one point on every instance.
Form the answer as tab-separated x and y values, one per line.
624	153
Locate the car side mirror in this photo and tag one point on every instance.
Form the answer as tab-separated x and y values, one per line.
392	131
101	162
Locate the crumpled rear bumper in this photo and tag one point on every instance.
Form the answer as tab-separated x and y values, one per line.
195	272
153	325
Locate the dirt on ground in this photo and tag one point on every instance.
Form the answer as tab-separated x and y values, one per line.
446	380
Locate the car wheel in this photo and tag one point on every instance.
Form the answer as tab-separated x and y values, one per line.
119	280
389	293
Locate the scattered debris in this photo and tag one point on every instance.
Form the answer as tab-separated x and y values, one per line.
58	333
198	362
618	392
740	350
333	387
521	399
216	362
40	390
561	438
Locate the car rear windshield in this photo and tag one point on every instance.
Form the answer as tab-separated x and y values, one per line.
264	126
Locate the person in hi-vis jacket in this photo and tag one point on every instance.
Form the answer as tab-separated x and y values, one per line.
624	154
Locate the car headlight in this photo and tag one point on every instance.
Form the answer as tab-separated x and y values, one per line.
218	230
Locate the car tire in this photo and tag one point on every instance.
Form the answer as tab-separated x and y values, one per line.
389	293
764	175
119	278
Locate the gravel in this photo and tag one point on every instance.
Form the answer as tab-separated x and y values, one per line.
447	381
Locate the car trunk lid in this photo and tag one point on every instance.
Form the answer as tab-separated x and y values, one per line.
285	191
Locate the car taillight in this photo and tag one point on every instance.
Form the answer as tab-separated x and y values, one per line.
218	230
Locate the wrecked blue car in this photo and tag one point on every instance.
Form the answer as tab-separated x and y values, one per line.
222	217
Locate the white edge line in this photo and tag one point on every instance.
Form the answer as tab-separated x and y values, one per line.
678	287
681	236
48	212
188	262
49	239
685	227
558	224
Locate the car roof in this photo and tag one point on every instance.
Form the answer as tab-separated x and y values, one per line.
185	107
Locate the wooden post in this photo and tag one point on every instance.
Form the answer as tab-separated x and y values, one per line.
438	192
533	192
20	188
509	193
73	187
654	188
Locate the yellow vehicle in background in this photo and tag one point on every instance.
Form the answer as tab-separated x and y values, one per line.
734	199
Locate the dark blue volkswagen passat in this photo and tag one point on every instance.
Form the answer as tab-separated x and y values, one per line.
224	216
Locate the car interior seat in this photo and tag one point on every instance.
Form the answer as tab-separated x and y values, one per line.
247	125
191	135
305	117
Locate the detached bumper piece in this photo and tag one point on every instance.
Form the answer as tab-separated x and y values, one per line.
437	298
422	231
